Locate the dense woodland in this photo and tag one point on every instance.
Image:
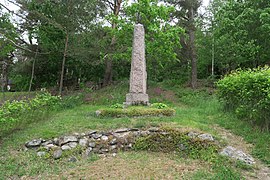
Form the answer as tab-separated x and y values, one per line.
64	44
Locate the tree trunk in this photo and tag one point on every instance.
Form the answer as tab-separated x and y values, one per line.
63	66
3	80
109	62
33	71
193	54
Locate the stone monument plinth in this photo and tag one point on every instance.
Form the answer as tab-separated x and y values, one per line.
138	76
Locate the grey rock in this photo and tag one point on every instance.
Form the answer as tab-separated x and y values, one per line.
207	137
88	151
72	159
65	147
133	129
91	132
154	129
164	133
145	133
76	134
114	154
67	139
33	143
96	136
129	145
95	150
182	147
83	134
193	134
56	141
122	135
113	147
83	142
238	155
104	150
41	153
122	130
104	138
98	112
47	142
113	141
57	154
92	144
72	144
50	146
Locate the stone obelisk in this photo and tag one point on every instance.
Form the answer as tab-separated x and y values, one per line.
137	90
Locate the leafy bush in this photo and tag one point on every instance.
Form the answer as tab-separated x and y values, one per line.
159	105
247	92
12	113
117	106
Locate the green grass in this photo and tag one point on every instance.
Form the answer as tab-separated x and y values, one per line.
194	110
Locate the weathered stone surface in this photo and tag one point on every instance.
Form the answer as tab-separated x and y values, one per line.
49	146
154	129
182	147
113	147
104	138
207	137
65	147
56	141
88	151
41	153
98	112
33	143
67	139
47	142
83	142
72	159
72	144
113	141
122	135
57	154
193	134
237	154
92	144
137	90
91	132
96	136
121	130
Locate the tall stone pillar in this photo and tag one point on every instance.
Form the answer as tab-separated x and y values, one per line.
137	90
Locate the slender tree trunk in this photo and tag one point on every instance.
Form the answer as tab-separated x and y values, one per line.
109	62
3	81
33	71
193	54
63	65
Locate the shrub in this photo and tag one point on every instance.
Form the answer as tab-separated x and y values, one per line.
13	113
247	93
159	105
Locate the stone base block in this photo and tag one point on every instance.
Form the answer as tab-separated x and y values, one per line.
136	99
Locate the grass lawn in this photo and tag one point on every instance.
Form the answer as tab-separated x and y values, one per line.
194	110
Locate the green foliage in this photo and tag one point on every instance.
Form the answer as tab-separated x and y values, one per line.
247	92
136	111
12	114
176	141
72	101
159	105
117	106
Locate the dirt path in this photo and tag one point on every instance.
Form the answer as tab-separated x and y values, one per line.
260	172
